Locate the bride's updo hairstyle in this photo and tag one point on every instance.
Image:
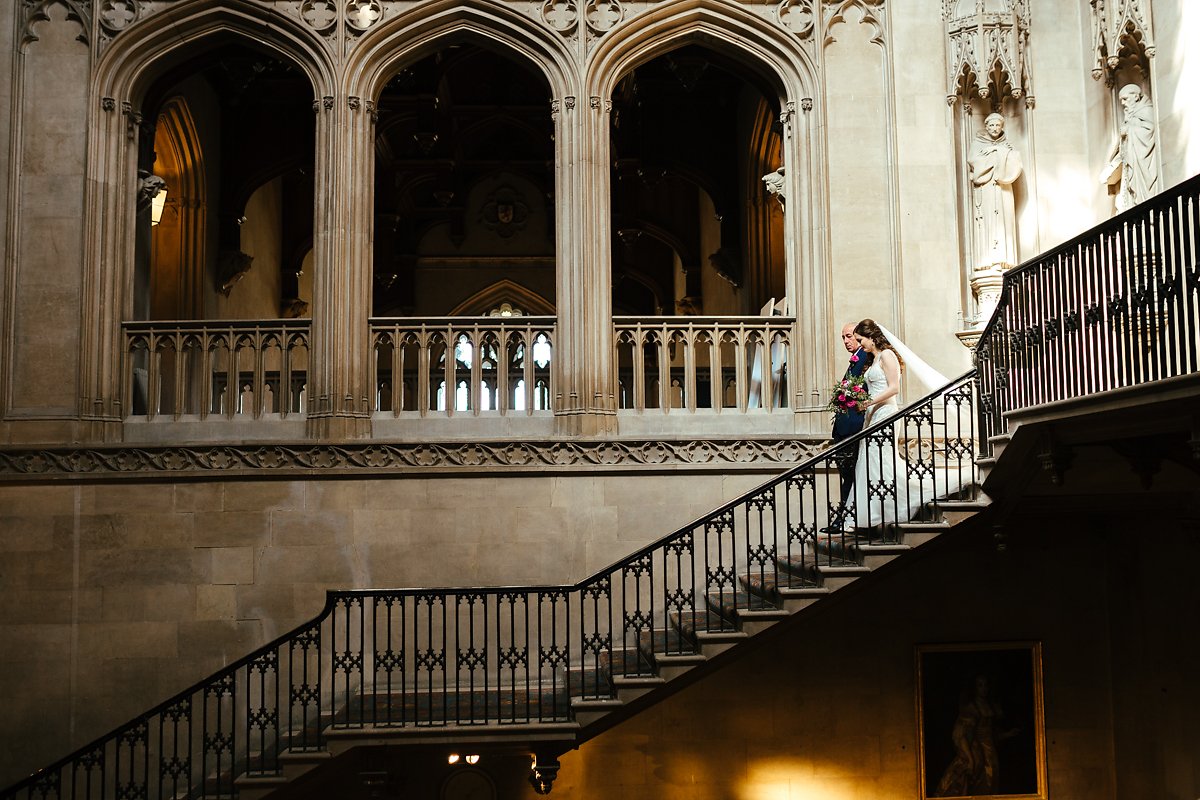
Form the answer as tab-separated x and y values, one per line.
869	329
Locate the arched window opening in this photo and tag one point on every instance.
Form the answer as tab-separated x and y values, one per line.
464	171
694	229
229	145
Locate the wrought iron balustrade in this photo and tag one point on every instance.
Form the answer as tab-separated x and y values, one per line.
224	368
462	365
690	363
422	658
1117	306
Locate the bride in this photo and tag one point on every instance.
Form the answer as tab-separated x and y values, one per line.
879	498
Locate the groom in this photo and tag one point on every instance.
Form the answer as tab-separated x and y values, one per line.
849	423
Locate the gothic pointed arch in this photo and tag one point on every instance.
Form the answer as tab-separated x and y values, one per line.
122	76
428	26
157	43
778	57
176	266
768	49
504	291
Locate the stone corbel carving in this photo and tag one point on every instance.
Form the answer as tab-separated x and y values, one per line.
232	266
293	308
148	186
774	184
725	263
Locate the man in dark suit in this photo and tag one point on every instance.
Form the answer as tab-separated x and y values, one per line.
849	423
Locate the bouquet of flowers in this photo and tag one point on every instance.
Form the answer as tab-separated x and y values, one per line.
849	394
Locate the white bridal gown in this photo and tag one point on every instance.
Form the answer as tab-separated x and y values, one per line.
877	465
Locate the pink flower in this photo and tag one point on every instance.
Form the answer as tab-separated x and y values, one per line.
845	382
854	358
841	398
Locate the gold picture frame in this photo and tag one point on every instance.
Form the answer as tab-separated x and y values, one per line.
981	721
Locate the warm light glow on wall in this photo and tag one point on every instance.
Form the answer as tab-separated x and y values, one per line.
156	206
793	779
1070	213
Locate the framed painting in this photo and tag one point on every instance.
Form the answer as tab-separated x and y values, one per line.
980	720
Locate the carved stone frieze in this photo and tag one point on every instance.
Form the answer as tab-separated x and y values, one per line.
35	11
365	458
986	50
1121	35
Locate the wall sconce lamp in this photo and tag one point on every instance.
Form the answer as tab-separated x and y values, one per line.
157	203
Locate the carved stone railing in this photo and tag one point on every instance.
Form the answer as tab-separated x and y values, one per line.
227	369
722	364
448	366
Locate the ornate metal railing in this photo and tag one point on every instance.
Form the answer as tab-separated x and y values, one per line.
417	658
730	364
1114	307
225	369
462	365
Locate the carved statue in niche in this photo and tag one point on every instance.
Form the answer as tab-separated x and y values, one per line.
994	166
1134	158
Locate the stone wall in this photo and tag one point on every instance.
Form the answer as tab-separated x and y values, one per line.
115	596
829	709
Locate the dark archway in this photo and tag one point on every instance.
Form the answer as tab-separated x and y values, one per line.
693	133
231	133
464	182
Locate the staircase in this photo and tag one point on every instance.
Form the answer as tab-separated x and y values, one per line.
541	669
1108	317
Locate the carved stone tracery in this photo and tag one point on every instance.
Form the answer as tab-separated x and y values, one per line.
1121	35
603	15
987	40
36	11
561	15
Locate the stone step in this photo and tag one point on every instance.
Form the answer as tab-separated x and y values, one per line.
667	642
737	605
707	622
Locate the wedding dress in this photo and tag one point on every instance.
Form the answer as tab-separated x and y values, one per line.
880	498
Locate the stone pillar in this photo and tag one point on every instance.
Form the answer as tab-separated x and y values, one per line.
41	301
340	347
108	261
585	392
805	230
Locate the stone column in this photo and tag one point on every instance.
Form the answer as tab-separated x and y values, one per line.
585	396
805	230
108	262
340	347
